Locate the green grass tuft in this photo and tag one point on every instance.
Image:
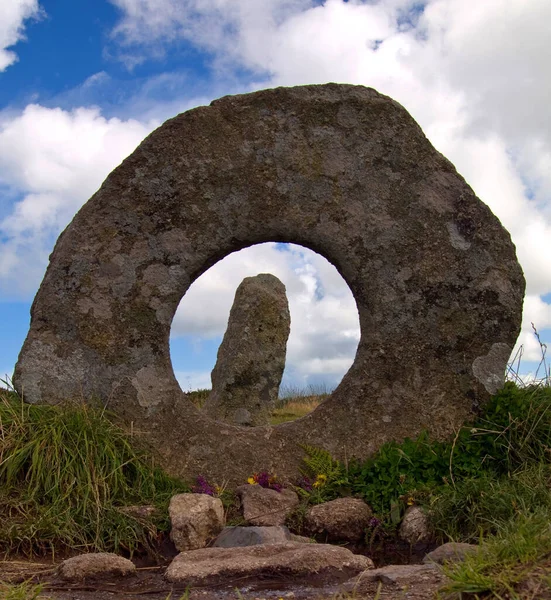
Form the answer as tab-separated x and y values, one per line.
21	591
66	474
514	563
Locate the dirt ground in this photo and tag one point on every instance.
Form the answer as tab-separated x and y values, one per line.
149	584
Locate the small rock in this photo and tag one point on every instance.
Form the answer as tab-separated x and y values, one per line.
238	537
212	566
415	526
450	552
401	575
100	564
196	519
265	507
344	519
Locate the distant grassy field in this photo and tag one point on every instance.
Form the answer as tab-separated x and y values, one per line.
293	402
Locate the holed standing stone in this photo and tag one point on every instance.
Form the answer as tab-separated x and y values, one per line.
251	357
340	169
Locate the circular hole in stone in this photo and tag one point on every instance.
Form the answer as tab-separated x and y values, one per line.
324	332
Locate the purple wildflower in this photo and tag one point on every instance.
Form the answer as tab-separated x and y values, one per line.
265	480
374	522
305	483
202	486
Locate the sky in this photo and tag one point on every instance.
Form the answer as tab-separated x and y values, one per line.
82	83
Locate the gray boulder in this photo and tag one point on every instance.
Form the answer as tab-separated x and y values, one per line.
251	357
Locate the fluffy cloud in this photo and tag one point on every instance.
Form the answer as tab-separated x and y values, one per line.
324	319
475	76
13	13
51	160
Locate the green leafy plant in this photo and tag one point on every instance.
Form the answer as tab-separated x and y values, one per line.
325	478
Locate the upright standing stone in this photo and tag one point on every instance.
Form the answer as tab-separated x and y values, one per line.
251	358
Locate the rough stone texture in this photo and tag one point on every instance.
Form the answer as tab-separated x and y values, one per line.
196	519
212	566
340	169
251	357
450	552
343	519
96	565
264	507
237	537
415	526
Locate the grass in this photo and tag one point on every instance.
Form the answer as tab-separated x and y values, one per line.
21	591
292	404
295	409
66	475
513	563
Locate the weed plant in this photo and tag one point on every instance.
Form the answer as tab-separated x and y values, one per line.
66	475
21	591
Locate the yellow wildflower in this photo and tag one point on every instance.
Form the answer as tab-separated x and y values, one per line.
321	480
251	480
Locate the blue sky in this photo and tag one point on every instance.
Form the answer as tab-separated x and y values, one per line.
81	84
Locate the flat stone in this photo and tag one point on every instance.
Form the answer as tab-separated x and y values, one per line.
265	507
95	565
237	537
340	169
399	575
195	519
343	519
213	566
450	552
251	357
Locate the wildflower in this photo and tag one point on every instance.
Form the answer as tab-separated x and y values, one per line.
305	483
202	486
410	501
321	480
265	480
374	522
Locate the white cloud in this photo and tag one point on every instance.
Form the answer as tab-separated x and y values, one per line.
13	13
193	380
52	160
475	75
324	318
